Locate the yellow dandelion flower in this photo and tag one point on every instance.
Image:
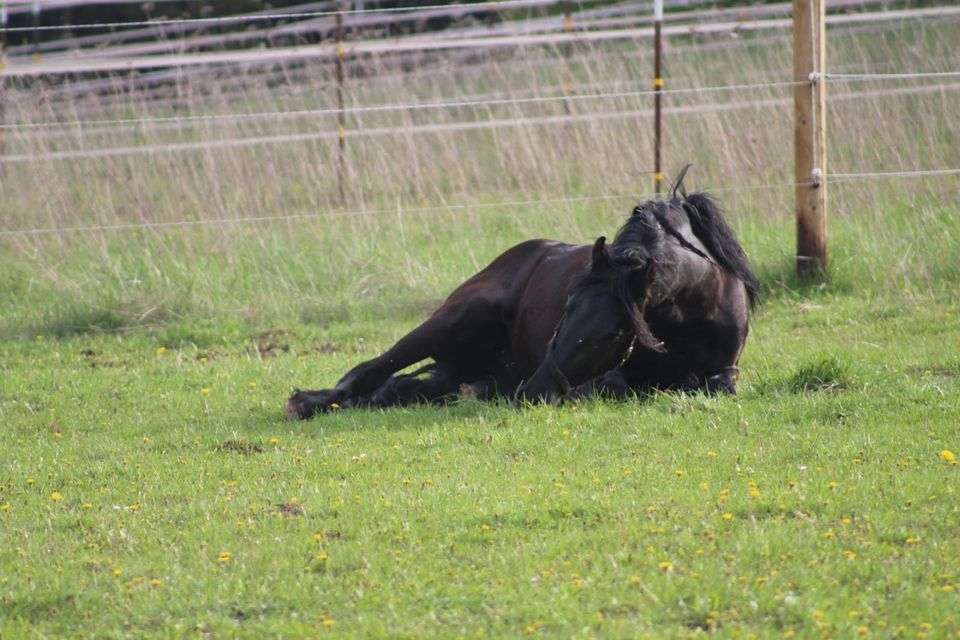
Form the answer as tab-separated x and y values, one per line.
327	622
252	385
156	582
948	456
334	406
665	566
322	557
5	507
635	580
205	391
56	496
833	484
680	473
484	527
86	505
161	351
274	441
224	557
849	555
117	572
727	516
31	482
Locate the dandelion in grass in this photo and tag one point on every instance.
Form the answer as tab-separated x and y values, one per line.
5	507
86	505
665	566
224	557
833	484
205	391
56	496
274	441
948	456
850	554
117	572
155	582
680	473
727	516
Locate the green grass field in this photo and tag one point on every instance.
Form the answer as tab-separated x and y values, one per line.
150	487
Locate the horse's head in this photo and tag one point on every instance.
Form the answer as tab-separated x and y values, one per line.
601	322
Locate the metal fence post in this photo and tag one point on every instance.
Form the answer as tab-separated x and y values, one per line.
341	116
657	95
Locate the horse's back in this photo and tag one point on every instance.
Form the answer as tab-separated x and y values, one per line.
502	281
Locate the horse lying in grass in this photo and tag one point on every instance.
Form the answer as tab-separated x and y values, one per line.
665	306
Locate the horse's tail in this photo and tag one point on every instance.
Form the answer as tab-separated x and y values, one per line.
709	226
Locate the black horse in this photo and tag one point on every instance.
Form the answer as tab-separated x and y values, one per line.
665	306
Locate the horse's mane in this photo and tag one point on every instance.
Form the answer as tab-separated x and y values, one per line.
642	231
708	224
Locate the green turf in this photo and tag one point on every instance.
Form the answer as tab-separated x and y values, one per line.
150	488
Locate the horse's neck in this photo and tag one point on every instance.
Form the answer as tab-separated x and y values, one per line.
687	273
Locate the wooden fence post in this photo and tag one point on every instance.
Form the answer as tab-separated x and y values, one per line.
567	49
809	135
657	95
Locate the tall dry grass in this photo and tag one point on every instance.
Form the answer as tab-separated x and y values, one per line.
424	208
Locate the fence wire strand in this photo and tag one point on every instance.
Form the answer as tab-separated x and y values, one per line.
134	226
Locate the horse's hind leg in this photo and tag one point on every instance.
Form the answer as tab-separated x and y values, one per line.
432	339
432	383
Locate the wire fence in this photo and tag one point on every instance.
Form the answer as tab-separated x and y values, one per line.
103	62
462	126
452	208
80	127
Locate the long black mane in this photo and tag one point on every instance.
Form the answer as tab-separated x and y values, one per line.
644	229
708	224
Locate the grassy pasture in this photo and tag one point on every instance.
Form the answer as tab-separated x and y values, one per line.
148	487
151	489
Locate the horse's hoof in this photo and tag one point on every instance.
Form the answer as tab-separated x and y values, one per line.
721	383
292	411
303	405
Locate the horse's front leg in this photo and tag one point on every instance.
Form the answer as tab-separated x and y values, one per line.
426	341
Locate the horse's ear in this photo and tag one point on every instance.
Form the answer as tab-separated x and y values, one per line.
678	186
601	257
